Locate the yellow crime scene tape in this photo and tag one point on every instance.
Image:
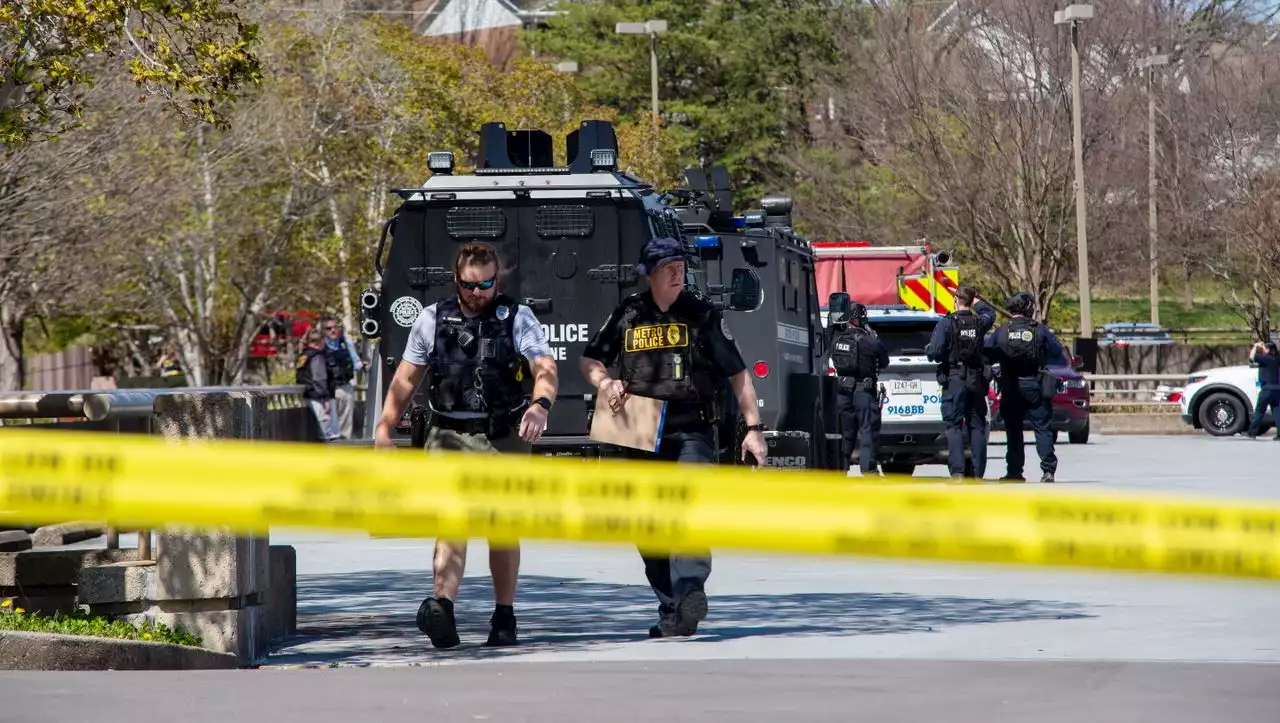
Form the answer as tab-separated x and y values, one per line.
147	482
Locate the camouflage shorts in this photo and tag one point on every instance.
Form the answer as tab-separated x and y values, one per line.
450	440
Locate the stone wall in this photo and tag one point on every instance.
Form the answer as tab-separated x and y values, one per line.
1169	359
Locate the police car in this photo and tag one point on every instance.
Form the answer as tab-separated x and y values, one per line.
911	428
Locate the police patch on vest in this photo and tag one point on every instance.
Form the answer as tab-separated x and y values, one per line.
302	361
1023	335
405	310
503	312
658	336
843	346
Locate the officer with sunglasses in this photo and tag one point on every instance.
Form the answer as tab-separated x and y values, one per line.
475	344
670	343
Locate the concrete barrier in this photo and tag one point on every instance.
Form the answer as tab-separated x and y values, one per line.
211	583
45	580
50	651
1140	423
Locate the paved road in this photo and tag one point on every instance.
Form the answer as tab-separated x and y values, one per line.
818	637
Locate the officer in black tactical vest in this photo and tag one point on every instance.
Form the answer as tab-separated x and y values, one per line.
957	346
858	355
473	343
670	343
1023	347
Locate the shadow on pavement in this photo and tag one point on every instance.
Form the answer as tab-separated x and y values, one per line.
368	617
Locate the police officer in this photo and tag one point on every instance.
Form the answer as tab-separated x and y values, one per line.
1022	348
1266	356
858	355
473	343
957	346
670	343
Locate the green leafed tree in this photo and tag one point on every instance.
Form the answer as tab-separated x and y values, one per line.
734	77
193	54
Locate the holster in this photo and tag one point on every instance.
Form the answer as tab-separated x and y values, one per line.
1048	385
418	419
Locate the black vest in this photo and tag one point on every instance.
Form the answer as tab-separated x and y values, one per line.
965	343
341	368
664	354
1023	348
475	366
852	354
302	369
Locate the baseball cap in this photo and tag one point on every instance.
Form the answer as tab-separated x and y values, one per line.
657	252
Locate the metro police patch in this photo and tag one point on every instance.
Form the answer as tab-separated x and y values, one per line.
658	336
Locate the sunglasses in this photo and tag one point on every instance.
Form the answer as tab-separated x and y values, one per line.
473	285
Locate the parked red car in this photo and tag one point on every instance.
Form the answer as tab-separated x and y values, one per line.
1070	405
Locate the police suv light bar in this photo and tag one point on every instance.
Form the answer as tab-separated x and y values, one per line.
603	159
440	162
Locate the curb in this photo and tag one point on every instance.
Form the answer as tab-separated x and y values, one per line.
1140	423
53	651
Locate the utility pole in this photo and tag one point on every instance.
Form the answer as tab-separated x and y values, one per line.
1073	15
1150	63
652	28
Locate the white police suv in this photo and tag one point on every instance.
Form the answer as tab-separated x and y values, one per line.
1220	400
911	428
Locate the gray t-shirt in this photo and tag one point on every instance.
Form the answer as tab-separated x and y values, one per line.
530	340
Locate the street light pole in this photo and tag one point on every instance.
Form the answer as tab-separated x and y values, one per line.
652	28
1150	64
1073	15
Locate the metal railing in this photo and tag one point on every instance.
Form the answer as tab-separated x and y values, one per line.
133	411
1148	391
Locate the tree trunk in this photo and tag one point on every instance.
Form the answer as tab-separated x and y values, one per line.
13	371
344	281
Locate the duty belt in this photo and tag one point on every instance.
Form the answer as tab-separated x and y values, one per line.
471	425
849	384
706	412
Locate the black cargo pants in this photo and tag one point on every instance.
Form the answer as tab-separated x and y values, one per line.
964	412
859	424
1019	402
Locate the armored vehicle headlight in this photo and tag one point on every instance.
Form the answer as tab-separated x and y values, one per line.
440	162
604	159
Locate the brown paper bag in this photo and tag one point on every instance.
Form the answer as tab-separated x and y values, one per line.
637	425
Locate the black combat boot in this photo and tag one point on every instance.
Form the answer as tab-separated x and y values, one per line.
435	618
502	627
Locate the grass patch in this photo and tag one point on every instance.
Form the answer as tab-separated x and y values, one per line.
1173	315
12	618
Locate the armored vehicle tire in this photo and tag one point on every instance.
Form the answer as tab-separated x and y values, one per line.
905	469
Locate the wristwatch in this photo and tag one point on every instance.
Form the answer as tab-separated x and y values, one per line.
543	402
755	427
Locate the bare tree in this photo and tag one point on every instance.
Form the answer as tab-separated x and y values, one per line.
968	119
1239	129
46	232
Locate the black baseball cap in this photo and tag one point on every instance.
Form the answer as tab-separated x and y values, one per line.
657	252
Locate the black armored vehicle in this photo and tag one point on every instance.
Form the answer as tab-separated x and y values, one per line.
569	237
